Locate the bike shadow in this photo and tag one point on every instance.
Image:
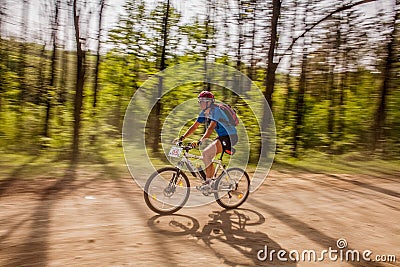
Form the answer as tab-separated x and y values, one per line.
230	234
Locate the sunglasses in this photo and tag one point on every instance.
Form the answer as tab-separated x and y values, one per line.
203	100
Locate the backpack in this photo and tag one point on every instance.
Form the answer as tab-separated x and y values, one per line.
230	114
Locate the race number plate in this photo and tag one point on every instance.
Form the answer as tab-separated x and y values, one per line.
175	152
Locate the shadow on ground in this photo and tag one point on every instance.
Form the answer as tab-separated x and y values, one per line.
230	227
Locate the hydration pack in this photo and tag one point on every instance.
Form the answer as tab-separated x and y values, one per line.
230	114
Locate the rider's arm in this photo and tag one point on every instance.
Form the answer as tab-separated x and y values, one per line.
209	131
191	129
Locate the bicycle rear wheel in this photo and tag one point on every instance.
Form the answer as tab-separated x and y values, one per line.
167	190
232	188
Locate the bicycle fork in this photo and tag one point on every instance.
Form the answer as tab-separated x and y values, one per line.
173	182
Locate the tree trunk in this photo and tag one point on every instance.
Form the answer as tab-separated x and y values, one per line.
271	69
62	92
299	112
331	109
41	81
165	37
21	71
158	107
342	106
2	54
23	54
238	80
252	70
53	69
80	75
300	106
97	66
63	83
342	93
287	107
380	113
206	52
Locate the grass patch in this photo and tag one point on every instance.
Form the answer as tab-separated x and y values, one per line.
352	163
106	164
110	164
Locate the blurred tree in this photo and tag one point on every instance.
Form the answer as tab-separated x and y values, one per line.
129	36
201	39
2	55
300	111
292	17
335	89
248	31
271	67
349	40
208	40
389	60
240	41
97	64
330	14
197	34
165	35
23	52
252	8
227	44
53	69
130	50
102	5
334	38
158	107
22	70
271	63
41	86
80	80
224	8
343	33
64	65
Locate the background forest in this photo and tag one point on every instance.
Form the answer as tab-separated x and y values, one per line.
329	70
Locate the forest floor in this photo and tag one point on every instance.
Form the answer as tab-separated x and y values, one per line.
81	218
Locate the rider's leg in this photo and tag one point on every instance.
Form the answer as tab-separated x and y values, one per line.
208	155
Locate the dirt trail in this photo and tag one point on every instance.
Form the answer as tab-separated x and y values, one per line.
85	221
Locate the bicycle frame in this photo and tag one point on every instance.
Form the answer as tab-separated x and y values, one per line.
185	161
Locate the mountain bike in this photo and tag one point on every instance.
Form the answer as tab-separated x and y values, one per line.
167	190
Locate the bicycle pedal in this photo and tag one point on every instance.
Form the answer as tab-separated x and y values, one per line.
205	189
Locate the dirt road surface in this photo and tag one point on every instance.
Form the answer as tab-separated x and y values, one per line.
82	220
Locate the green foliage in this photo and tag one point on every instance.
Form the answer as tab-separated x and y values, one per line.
156	34
133	58
128	37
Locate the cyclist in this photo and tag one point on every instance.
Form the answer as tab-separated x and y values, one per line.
214	119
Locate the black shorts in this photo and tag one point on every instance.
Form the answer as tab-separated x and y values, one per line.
228	141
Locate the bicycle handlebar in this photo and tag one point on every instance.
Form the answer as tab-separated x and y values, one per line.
186	147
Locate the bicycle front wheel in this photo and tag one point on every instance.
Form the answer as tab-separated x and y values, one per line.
232	188
167	190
